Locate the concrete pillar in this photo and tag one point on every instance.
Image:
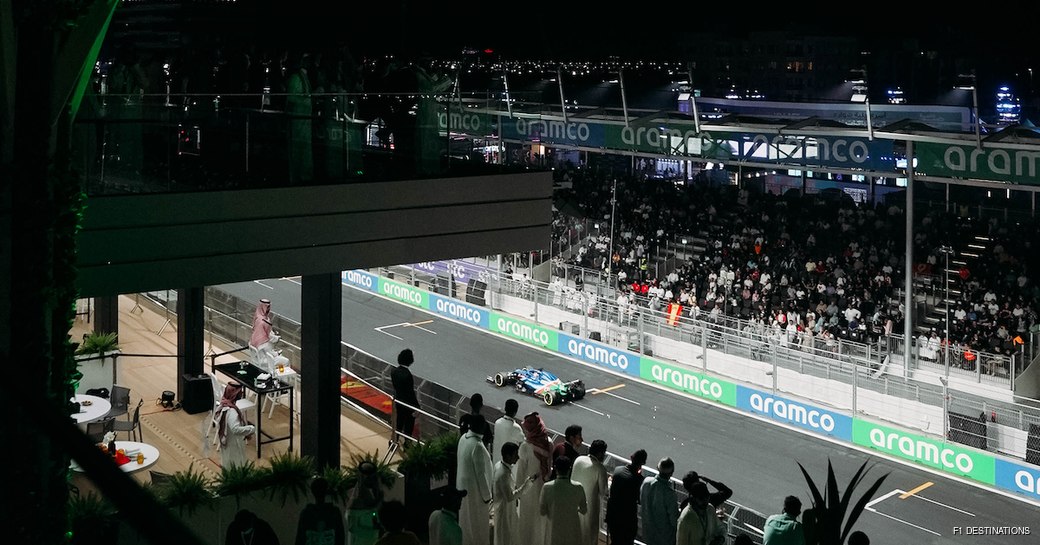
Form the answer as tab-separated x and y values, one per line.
321	332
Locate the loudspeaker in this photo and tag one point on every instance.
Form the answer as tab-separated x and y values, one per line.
595	336
196	393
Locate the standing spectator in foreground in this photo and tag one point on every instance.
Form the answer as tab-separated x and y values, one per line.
623	503
563	502
784	528
365	499
507	430
320	523
476	405
404	392
858	538
660	506
444	522
697	522
474	476
589	472
534	460
392	516
718	498
572	441
248	528
505	495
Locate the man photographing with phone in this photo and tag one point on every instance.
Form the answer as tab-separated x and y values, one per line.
505	494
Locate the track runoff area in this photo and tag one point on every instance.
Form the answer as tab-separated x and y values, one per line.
753	455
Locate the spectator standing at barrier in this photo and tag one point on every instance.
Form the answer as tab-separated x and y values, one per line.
404	392
320	523
507	430
572	441
534	460
591	474
392	516
717	498
659	506
698	524
623	504
563	502
248	528
784	528
476	405
505	495
444	527
474	477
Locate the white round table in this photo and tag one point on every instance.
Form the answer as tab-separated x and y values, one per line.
95	408
131	448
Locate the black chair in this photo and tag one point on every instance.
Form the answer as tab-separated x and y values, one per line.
120	401
132	427
97	429
159	478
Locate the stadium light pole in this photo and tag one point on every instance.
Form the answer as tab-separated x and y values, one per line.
613	209
946	249
864	86
624	99
946	406
563	101
973	87
693	99
505	83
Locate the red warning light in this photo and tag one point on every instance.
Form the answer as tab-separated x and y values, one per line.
489	51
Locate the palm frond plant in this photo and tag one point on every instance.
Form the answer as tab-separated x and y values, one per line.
186	491
239	480
341	481
289	475
99	343
91	518
832	517
384	471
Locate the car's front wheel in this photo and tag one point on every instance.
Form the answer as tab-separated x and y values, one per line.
500	379
550	398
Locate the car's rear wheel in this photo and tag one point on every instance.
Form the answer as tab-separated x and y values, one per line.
500	379
578	390
550	398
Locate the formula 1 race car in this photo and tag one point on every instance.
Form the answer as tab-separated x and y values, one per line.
540	383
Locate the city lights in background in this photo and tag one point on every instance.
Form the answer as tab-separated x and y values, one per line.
1009	107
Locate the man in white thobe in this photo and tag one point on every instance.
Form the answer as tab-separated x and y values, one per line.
474	476
660	506
591	474
505	495
507	430
563	502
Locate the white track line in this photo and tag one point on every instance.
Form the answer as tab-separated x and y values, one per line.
588	409
264	285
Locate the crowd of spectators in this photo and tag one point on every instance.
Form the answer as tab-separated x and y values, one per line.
809	270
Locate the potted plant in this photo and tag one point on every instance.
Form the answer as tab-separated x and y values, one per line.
92	356
240	480
830	520
422	463
186	491
289	475
91	519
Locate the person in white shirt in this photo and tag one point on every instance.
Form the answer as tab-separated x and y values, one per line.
591	474
505	495
507	430
474	476
444	523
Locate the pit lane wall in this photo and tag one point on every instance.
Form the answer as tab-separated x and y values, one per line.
934	453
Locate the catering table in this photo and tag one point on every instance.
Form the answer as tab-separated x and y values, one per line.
131	448
246	374
90	408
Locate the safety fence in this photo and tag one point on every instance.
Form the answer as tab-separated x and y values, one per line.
947	441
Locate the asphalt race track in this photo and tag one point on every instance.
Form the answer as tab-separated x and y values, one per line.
754	458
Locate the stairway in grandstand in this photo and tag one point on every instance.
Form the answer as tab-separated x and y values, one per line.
939	302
